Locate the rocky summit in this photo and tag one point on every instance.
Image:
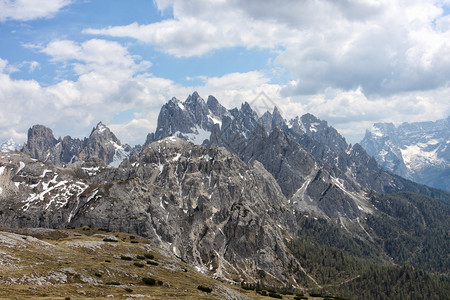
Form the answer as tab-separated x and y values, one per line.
241	198
101	145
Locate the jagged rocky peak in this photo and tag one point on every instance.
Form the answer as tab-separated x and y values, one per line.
215	107
321	132
40	141
277	118
102	143
272	120
192	119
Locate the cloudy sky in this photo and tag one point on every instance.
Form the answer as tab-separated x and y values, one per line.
69	64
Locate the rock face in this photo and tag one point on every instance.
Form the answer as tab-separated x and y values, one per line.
40	142
417	151
301	154
203	204
102	144
192	119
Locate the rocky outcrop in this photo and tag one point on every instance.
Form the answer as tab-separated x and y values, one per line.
40	142
192	119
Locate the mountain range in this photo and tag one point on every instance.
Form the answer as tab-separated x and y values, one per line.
238	196
101	145
418	151
9	146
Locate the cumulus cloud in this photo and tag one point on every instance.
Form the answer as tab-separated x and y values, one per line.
26	10
103	88
108	80
383	47
351	62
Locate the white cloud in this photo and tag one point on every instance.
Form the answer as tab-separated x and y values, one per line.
107	81
382	47
351	62
33	65
26	10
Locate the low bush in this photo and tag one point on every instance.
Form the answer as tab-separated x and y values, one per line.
140	257
204	289
149	281
128	290
124	257
262	292
153	263
149	256
112	283
110	240
275	295
139	265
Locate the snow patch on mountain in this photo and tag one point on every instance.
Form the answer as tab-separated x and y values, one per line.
417	157
120	155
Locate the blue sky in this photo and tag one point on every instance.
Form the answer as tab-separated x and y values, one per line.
69	64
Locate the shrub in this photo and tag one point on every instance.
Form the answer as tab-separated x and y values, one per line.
124	257
112	283
139	265
98	274
275	295
107	260
149	256
262	292
149	281
128	290
140	257
153	263
132	237
315	294
204	289
110	240
134	242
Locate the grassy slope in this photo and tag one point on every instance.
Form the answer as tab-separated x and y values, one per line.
77	263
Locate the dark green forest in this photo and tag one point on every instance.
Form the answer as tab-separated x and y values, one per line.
408	257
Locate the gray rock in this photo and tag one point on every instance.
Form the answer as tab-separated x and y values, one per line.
102	144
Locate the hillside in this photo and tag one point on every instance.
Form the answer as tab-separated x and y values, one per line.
90	263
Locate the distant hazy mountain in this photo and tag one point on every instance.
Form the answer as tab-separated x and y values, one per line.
9	145
418	151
